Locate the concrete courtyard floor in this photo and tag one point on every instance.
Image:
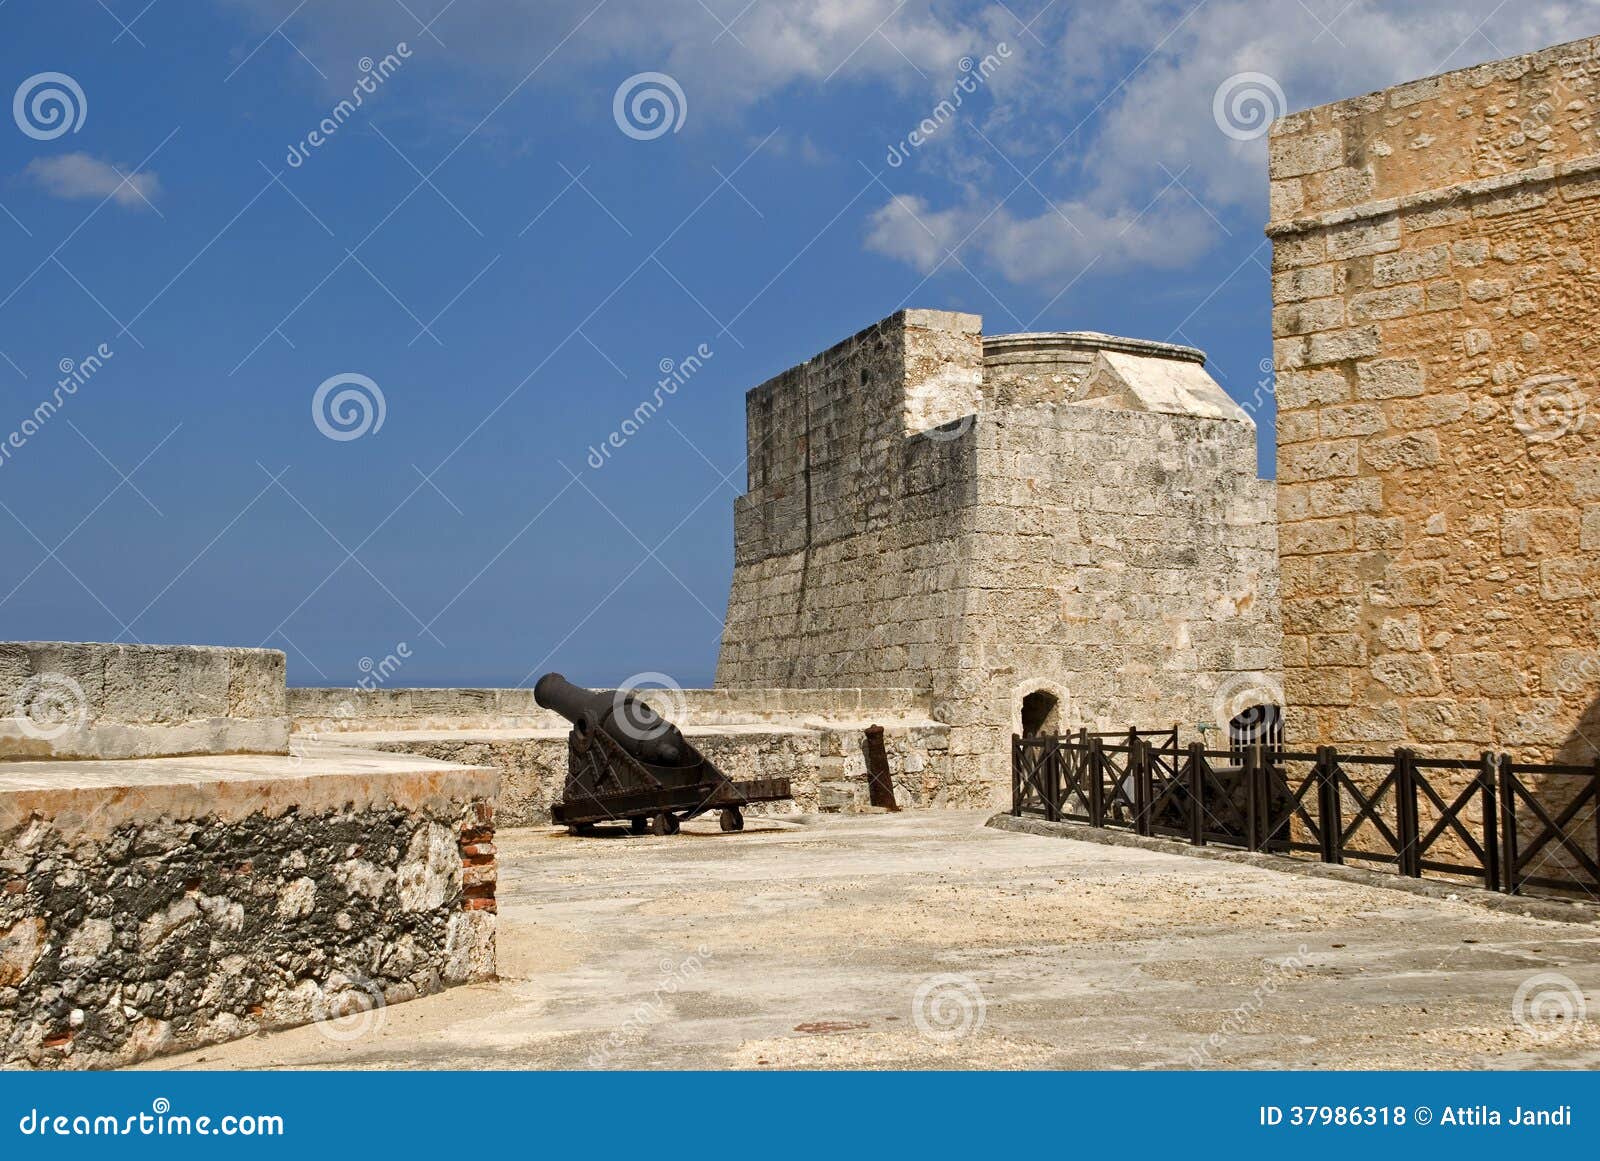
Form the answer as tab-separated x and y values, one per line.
803	943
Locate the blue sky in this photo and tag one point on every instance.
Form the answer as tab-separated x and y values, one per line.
485	242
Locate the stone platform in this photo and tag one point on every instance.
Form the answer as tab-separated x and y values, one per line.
925	940
154	905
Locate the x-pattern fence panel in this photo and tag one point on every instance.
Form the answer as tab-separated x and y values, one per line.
1508	824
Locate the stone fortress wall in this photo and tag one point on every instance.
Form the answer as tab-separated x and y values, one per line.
1074	514
952	535
1437	290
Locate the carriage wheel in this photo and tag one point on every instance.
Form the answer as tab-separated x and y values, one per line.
664	823
732	818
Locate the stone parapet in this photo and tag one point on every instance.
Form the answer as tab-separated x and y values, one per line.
320	711
84	700
1486	128
824	762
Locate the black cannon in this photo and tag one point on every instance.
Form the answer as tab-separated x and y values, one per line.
625	761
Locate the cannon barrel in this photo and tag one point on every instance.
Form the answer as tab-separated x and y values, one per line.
624	717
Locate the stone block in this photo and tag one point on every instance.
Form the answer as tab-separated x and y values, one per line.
1298	285
1315	536
1417	449
1341	346
1566	580
1541	532
1411	266
1361	238
1486	674
1352	420
1408	675
1299	318
1319	461
1389	378
1386	304
1311	388
1309	153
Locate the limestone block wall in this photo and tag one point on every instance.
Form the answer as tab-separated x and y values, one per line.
1436	297
70	699
812	737
1127	563
156	906
1087	522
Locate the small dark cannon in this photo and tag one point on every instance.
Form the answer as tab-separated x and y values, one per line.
625	761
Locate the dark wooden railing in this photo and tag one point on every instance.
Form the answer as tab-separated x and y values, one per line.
1510	825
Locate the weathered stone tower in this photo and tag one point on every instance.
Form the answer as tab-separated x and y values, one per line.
1046	530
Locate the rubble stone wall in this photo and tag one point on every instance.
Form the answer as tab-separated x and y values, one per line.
1437	292
153	907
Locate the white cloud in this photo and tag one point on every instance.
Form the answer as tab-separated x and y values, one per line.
906	228
1110	119
729	53
1063	238
79	175
1106	108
